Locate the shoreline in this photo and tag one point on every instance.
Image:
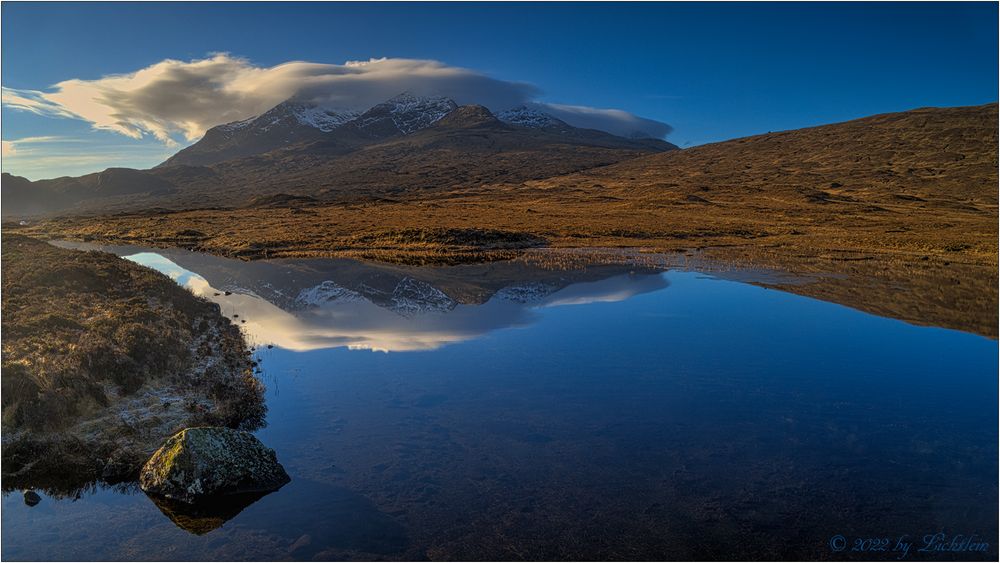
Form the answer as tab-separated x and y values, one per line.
947	290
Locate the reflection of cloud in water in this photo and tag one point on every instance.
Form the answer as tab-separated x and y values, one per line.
611	290
361	324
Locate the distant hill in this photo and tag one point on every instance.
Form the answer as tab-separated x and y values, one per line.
405	143
931	157
24	197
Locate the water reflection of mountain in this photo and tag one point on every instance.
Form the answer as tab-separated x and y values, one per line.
315	303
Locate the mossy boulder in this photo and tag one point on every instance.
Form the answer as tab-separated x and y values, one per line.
197	463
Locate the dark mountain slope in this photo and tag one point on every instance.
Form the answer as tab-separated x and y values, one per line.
24	197
288	123
469	147
401	115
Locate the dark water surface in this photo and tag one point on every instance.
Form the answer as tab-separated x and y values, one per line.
607	412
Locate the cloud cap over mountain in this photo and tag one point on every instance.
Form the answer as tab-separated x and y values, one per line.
172	97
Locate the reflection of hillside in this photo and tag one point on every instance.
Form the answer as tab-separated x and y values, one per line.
283	282
412	315
311	304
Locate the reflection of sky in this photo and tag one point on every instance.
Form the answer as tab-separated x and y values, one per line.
745	392
183	277
611	290
364	325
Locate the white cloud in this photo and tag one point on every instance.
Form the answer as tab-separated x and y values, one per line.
53	156
612	120
11	147
35	102
172	98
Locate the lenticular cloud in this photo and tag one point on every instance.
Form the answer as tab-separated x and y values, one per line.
173	98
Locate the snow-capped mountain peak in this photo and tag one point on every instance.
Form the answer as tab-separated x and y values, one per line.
524	116
285	124
405	113
323	119
309	115
290	114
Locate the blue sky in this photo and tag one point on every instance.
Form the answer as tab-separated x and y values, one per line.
712	71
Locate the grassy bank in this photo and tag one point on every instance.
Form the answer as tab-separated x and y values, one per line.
102	359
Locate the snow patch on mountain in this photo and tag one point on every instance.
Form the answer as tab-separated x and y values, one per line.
323	119
291	114
236	125
524	116
294	114
408	112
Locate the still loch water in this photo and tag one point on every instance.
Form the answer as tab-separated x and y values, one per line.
602	412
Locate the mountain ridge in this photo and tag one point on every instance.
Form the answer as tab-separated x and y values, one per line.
407	142
287	123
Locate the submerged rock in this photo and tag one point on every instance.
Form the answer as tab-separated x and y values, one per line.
205	462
